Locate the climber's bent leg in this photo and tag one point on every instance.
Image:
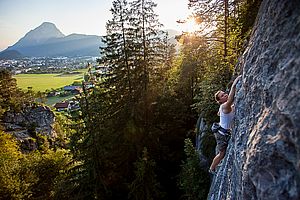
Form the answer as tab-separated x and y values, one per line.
222	143
217	160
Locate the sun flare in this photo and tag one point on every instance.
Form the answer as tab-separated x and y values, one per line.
190	25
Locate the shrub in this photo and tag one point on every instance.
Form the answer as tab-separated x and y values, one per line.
193	180
29	176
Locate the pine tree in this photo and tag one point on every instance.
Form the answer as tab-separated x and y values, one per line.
145	186
113	130
149	47
116	59
192	179
214	16
149	39
11	97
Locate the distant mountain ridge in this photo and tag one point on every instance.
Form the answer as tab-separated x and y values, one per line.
48	41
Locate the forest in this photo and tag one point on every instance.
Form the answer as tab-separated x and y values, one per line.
134	137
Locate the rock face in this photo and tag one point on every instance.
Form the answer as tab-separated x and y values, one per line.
39	119
263	158
202	132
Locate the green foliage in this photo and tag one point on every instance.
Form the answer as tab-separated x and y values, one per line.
96	151
200	73
11	185
29	176
62	127
12	98
46	170
248	13
215	78
145	185
116	115
193	180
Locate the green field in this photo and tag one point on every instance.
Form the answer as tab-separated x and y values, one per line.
41	82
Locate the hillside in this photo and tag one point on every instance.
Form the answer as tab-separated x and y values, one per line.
10	54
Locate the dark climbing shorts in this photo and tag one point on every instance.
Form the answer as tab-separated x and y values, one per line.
222	141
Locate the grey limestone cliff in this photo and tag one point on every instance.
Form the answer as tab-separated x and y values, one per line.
37	119
263	158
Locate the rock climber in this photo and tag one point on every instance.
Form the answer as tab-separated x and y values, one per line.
226	113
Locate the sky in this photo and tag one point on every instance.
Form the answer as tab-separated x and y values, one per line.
17	17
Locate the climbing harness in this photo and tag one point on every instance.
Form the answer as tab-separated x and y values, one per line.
217	128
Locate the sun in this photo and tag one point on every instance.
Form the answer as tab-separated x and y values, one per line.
190	25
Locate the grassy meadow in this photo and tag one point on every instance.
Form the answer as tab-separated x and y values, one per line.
42	82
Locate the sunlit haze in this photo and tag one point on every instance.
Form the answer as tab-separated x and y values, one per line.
17	17
190	25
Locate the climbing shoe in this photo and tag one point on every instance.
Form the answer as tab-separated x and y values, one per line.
213	172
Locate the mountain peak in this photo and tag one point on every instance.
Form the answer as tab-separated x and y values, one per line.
47	40
46	30
42	33
47	24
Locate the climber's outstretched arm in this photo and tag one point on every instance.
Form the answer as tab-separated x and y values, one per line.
227	105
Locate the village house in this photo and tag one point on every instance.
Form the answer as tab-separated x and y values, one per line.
73	89
62	106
